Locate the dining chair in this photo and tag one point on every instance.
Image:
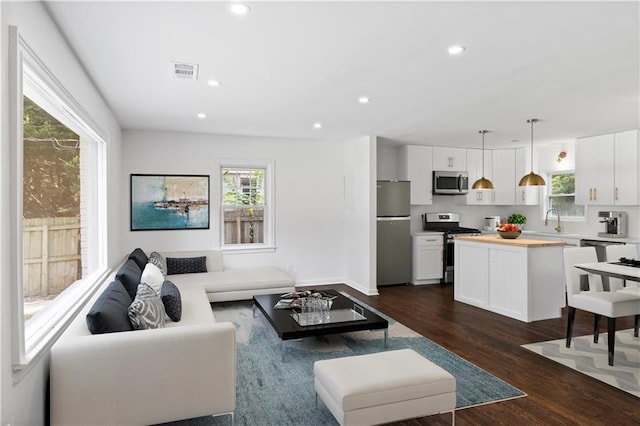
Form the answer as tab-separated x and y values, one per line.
614	252
610	304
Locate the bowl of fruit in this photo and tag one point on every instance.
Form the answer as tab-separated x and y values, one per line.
509	231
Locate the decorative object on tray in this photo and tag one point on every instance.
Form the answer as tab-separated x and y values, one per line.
306	298
509	231
628	262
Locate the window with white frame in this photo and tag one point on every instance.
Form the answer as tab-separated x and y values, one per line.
60	193
246	208
561	195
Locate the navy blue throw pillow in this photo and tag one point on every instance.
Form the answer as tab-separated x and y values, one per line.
140	257
110	312
171	300
186	265
129	275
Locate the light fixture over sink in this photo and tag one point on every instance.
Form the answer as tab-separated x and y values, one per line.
482	183
532	179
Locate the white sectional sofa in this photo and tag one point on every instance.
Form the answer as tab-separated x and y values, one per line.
224	285
186	369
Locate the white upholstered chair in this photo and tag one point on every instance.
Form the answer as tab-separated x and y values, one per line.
614	253
611	304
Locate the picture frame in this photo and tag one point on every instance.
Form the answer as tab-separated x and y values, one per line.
169	202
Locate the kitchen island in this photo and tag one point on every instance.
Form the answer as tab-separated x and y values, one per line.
521	278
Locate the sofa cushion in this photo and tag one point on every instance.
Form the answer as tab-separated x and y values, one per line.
146	310
140	257
109	313
159	260
152	276
129	275
171	300
186	265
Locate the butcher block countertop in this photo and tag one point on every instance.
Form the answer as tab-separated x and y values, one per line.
517	242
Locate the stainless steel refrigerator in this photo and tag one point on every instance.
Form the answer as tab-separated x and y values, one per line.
393	232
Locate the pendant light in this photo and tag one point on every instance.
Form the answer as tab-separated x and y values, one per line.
482	183
532	179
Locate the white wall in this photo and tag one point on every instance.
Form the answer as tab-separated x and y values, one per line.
309	207
24	402
360	224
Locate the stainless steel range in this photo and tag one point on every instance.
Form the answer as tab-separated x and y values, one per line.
449	225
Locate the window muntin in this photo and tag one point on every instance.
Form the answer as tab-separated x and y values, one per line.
561	195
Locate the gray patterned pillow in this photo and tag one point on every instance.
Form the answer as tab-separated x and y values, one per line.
158	260
186	265
146	310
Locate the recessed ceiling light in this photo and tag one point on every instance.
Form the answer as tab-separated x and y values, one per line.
317	125
202	115
456	49
213	83
363	100
240	9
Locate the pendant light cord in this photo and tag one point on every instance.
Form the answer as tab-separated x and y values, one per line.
532	120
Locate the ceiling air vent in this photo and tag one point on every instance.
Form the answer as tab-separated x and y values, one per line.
184	71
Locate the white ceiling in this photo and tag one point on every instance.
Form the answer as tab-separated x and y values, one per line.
286	65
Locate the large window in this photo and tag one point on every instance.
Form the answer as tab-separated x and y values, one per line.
60	194
247	213
561	195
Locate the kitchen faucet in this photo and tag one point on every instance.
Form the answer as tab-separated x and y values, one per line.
546	218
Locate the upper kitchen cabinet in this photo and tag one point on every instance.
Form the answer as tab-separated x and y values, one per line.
626	163
446	158
525	195
504	176
607	169
414	164
594	170
474	168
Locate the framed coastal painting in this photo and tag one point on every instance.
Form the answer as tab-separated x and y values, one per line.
169	202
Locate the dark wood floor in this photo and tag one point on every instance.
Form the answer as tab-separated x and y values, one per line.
557	395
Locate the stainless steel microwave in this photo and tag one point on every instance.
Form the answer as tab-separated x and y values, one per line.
450	183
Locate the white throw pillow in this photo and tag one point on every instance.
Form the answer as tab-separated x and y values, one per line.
152	275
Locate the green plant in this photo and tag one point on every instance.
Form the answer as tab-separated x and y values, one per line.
517	218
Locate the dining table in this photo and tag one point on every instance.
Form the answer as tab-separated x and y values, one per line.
612	269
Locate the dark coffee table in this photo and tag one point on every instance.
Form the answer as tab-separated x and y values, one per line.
288	328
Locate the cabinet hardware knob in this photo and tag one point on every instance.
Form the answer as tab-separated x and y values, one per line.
590	194
595	194
616	193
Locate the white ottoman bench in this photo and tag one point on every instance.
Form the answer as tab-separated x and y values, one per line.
384	387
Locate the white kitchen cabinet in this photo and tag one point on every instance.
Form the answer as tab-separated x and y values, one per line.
428	258
415	165
525	195
504	177
446	158
626	162
474	168
519	279
594	170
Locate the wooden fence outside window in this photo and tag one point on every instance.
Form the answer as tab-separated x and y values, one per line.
51	255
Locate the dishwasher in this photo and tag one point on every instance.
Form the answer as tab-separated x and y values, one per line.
601	252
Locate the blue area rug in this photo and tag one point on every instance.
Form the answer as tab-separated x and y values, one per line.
272	392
